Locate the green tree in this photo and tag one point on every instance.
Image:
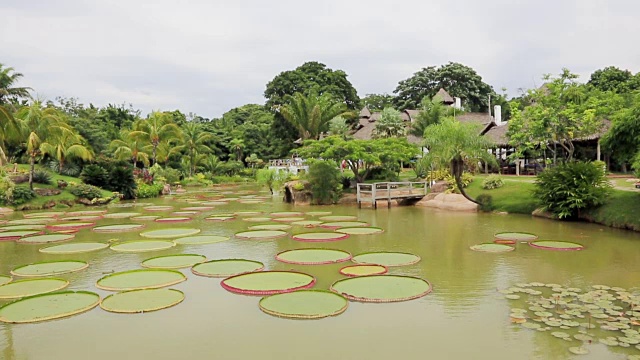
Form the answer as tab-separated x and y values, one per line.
459	81
390	124
324	179
338	126
431	113
377	102
452	143
311	114
129	148
623	138
8	130
237	145
193	142
9	93
156	128
613	79
66	145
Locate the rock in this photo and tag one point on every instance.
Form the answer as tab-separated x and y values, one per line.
47	192
543	214
451	202
19	178
62	184
166	189
297	192
49	204
440	186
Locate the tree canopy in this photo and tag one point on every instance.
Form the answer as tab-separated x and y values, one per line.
614	79
457	79
311	114
390	124
377	102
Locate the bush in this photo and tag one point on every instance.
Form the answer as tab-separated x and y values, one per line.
42	177
271	178
466	179
20	195
169	174
486	202
6	189
383	174
69	169
231	167
85	191
492	182
345	180
567	189
121	179
144	191
324	179
95	175
636	165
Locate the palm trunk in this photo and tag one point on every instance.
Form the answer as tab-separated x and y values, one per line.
457	167
32	162
154	154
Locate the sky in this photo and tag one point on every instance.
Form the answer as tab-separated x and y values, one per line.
208	57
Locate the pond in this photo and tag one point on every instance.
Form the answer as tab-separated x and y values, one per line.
465	316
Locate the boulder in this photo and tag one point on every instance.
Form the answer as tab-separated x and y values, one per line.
297	192
451	202
47	192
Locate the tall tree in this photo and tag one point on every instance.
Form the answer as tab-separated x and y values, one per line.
9	93
431	113
613	79
237	145
452	144
156	128
377	102
8	130
390	124
66	145
129	148
311	114
457	79
193	142
623	138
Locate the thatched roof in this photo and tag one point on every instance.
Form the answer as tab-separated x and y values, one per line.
365	112
497	134
413	114
483	119
365	132
444	96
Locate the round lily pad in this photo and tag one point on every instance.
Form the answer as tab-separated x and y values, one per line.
122	215
287	214
215	203
306	223
313	256
261	234
268	282
304	304
170	233
183	213
176	219
15	235
70	226
578	350
492	248
35	221
118	228
247	213
515	236
46	214
174	261
388	259
318	213
198	208
141	301
5	279
145	218
81	218
29	287
201	240
35	227
382	288
75	248
270	227
257	219
363	270
288	219
140	279
142	245
360	230
221	218
45	239
87	212
158	208
338	218
343	224
319	237
556	245
50	268
48	306
226	267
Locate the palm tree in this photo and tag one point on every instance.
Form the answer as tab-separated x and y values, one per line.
338	126
390	124
8	129
67	144
237	145
193	141
128	147
312	114
451	143
158	127
432	113
9	93
37	125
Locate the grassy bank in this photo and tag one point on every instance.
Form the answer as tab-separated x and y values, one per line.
620	211
514	197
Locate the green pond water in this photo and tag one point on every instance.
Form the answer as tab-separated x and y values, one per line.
463	318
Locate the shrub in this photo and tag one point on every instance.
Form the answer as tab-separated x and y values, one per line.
324	180
95	175
345	180
169	174
20	195
85	191
144	191
486	202
567	189
69	169
42	177
492	182
466	179
121	180
271	178
6	189
636	165
231	167
383	174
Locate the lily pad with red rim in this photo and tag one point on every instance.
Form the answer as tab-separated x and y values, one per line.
158	208
70	226
170	233
388	259
515	236
318	213
261	234
343	224
304	304
16	235
307	223
145	218
313	256
492	248
197	208
87	212
286	214
556	245
142	246
122	215
178	261
173	219
382	288
320	237
118	228
48	306
363	270
35	227
36	221
201	240
84	218
257	219
140	279
270	227
45	239
47	214
226	267
268	282
360	230
338	218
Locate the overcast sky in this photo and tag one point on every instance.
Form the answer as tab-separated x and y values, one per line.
210	56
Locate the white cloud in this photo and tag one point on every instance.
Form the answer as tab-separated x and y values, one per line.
208	57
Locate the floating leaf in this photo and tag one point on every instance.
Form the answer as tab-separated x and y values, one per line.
268	282
48	306
382	288
304	304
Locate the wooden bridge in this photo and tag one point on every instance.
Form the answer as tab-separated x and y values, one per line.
391	191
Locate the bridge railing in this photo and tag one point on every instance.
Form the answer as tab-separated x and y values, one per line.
390	191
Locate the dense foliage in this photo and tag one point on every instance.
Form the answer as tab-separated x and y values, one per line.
85	191
569	188
325	181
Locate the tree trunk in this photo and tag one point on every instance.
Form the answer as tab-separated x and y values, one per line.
32	162
457	167
154	153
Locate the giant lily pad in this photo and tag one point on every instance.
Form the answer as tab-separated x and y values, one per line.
35	227
382	288
142	246
87	212
313	256
118	228
48	306
45	239
50	268
261	234
270	227
15	235
363	270
287	214
288	219
29	287
556	245
343	224
5	279
145	218
74	248
85	218
46	214
140	279
492	248
122	215
174	261
198	208
70	226
307	223
388	259
35	221
319	237
318	213
170	233
304	304
226	267
177	219
158	208
515	236
141	301
268	282
257	219
360	230
338	218
201	240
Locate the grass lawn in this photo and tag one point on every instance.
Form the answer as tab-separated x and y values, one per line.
621	210
514	197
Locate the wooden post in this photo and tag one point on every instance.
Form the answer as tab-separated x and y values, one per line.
373	195
388	195
599	157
